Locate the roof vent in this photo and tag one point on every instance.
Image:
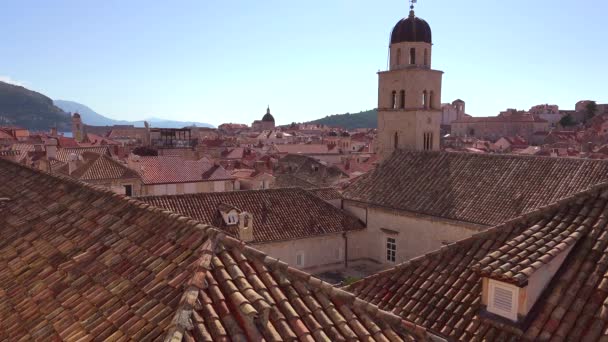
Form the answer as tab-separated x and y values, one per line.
503	299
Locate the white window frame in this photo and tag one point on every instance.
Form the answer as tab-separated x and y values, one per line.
232	218
492	285
391	246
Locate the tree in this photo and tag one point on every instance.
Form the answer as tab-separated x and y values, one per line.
144	151
566	120
590	109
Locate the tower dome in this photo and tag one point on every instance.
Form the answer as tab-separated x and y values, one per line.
268	117
411	29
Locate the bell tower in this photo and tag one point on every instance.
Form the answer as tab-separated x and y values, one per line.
409	92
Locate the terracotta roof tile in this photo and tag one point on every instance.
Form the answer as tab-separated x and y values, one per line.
98	167
81	263
441	291
169	169
326	194
63	154
278	214
481	189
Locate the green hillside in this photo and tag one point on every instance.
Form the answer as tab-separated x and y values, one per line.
366	119
29	109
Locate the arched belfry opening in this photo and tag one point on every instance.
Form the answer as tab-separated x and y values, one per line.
425	102
413	56
402	99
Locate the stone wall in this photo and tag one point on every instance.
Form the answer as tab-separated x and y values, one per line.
414	234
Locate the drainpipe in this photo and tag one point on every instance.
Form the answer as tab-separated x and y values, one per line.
345	250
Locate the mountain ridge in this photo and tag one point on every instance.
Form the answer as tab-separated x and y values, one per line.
363	119
22	107
91	117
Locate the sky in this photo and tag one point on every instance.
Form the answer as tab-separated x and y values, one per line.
222	61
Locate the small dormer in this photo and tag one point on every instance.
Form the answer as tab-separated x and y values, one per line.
238	223
515	276
230	214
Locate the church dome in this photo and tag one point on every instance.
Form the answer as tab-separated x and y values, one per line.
268	117
411	29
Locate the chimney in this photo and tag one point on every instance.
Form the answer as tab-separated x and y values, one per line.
51	148
53	131
245	226
72	163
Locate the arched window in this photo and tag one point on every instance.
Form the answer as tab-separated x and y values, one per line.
402	99
426	57
398	56
394	100
412	56
431	99
424	100
396	140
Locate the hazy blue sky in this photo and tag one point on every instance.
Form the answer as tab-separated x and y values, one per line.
224	61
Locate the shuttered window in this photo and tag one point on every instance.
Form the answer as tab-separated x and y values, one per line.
503	299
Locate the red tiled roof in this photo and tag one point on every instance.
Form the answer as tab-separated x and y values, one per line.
306	149
442	290
99	167
326	194
479	188
66	142
173	169
291	181
278	214
63	154
81	263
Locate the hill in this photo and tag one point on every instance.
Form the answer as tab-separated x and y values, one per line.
25	108
91	117
365	119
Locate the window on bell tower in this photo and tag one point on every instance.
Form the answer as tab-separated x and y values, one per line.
398	56
426	57
402	99
427	141
394	100
431	99
396	140
412	56
424	99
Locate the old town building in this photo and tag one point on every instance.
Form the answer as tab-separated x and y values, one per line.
291	224
266	124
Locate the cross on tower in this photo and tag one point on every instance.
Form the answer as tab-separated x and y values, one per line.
412	2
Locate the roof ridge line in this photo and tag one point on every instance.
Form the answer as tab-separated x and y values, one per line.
182	320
